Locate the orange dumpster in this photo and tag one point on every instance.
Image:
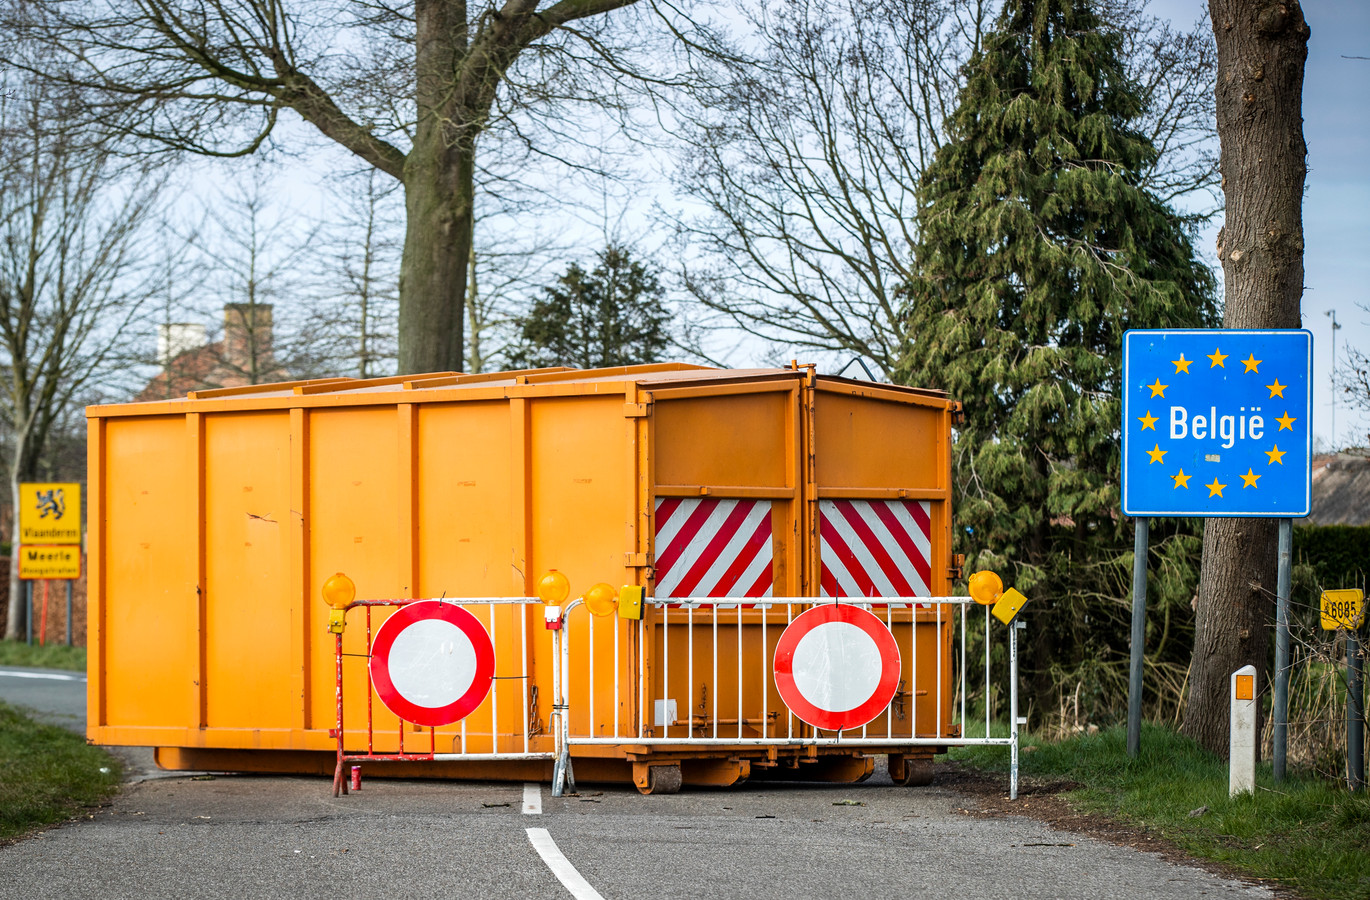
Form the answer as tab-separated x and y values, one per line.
215	519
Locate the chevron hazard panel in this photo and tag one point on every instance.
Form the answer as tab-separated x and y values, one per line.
708	547
875	548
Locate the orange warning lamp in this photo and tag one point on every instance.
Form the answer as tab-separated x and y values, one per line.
338	591
601	600
986	588
553	588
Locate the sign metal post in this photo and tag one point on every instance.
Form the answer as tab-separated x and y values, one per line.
1216	424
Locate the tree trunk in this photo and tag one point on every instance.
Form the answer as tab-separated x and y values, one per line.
438	190
1262	46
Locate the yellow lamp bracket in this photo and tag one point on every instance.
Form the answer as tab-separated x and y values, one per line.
1008	606
630	599
335	620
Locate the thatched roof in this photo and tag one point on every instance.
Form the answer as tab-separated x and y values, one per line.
1341	489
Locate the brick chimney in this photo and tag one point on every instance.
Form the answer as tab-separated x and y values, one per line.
247	340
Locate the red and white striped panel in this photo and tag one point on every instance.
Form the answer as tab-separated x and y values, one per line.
875	548
708	547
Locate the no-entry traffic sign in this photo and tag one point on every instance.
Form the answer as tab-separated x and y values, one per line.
836	667
432	663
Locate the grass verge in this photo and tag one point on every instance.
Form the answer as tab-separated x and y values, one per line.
47	774
53	656
1309	833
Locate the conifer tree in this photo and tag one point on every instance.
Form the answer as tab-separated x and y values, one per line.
612	316
1037	249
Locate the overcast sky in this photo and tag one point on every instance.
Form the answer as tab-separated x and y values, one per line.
1336	211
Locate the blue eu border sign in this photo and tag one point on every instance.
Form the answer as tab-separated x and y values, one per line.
1216	423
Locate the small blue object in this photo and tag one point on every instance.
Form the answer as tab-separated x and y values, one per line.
1217	423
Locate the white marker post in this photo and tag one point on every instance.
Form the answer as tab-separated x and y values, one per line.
1242	739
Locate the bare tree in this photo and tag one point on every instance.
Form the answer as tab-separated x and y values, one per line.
807	135
409	88
71	223
1262	46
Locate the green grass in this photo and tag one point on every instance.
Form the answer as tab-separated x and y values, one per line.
53	656
47	774
1308	833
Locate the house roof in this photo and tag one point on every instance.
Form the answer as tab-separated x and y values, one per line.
1341	489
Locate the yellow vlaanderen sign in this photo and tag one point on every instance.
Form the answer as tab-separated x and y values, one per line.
1342	609
62	561
50	513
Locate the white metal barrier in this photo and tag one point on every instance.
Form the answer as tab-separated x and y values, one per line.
485	728
758	717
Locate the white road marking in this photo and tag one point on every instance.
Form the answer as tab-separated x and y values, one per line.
532	799
561	867
47	676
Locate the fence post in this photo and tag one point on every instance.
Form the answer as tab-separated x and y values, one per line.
1355	714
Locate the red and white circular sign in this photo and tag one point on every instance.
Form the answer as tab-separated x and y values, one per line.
432	663
837	667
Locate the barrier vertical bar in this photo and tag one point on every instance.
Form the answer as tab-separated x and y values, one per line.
938	705
494	690
370	720
618	701
642	674
765	675
690	671
889	710
591	657
913	688
339	784
665	675
739	671
1012	708
987	673
965	612
527	680
714	654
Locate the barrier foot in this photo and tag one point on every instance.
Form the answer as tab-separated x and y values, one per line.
339	782
563	776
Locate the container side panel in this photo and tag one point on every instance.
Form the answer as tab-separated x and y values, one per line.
467	548
581	491
864	443
151	556
464	500
354	497
738	440
248	604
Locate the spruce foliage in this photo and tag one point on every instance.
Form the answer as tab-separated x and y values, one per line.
1038	249
612	316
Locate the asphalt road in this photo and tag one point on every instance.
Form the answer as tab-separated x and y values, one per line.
253	837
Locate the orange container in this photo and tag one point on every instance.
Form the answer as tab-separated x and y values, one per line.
215	519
